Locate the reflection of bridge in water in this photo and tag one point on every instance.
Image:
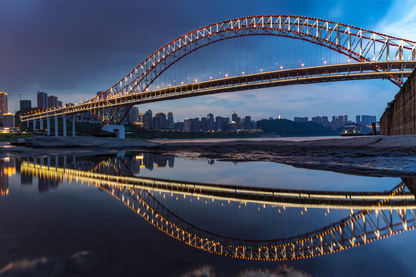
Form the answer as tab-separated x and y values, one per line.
364	217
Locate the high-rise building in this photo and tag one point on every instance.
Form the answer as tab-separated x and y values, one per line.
3	104
133	115
358	119
159	121
25	104
148	119
60	104
171	121
218	123
234	117
187	125
204	126
195	124
52	101
42	98
8	120
247	121
210	122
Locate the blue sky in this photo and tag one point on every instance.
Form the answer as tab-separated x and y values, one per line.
72	49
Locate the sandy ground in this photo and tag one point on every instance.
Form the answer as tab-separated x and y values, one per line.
370	155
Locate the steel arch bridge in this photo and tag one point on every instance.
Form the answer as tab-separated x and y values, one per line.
374	56
392	213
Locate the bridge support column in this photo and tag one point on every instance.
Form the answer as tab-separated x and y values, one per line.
56	125
73	125
34	124
48	125
27	123
41	124
64	124
118	129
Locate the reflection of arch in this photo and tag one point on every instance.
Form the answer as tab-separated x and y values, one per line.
362	227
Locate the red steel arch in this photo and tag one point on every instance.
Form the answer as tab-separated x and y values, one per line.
348	40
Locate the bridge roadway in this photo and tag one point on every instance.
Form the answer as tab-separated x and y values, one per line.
284	77
265	196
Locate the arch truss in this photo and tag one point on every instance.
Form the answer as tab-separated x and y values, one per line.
358	44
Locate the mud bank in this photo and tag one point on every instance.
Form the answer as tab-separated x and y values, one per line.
393	156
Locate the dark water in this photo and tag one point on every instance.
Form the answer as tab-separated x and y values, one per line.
136	214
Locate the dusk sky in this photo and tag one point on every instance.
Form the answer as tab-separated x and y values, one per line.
73	49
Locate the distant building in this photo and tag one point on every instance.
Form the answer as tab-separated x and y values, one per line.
133	115
300	119
187	125
234	117
42	100
148	119
210	122
3	104
60	104
52	101
25	104
159	121
8	120
218	123
247	121
204	125
171	121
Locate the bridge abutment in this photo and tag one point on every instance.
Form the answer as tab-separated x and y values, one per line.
400	117
118	129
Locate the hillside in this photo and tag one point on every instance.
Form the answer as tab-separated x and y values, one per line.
288	128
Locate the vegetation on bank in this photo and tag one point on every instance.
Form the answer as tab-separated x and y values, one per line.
13	137
288	128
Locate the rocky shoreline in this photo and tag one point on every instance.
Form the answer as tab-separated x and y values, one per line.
393	156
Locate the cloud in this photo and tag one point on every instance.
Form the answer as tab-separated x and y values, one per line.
400	20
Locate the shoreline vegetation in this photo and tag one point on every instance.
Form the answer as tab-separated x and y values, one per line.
383	156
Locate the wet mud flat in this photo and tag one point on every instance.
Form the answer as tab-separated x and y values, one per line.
384	156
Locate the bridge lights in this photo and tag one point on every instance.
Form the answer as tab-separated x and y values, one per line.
281	67
243	72
226	75
303	65
210	78
196	80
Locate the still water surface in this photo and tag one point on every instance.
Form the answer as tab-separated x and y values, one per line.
149	215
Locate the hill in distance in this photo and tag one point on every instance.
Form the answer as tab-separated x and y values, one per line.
288	128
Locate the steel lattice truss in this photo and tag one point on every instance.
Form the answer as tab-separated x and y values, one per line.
360	45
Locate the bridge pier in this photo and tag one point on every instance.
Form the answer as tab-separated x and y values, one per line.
118	129
56	125
40	124
73	125
48	125
34	124
64	124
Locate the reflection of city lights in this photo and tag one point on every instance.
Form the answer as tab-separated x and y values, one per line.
139	157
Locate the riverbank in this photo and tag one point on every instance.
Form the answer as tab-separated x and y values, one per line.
392	156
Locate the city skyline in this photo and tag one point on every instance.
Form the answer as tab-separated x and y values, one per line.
93	62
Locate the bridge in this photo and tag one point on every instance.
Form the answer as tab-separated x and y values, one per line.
393	211
367	55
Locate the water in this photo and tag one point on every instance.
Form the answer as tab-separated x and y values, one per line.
142	214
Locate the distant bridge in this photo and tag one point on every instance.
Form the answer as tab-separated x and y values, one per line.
371	55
